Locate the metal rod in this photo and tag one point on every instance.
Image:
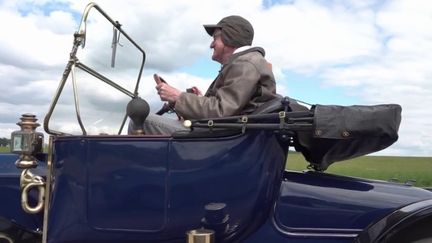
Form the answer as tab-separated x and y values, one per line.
79	40
113	47
116	24
265	126
75	93
103	78
47	190
61	86
289	115
122	124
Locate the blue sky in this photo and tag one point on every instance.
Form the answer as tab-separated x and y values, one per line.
328	52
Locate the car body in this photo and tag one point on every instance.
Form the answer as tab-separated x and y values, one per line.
154	189
225	181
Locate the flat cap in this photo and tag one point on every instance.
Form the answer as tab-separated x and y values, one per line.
236	31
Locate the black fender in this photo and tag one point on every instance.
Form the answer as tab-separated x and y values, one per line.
411	223
12	232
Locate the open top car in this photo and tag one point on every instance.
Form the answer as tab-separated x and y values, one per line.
222	181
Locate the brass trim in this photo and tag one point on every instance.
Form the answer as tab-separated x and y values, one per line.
47	189
187	123
5	237
282	114
244	119
200	236
24	197
28	180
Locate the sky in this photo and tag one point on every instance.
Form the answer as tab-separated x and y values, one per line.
339	52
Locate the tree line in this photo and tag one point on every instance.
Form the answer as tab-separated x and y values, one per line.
4	142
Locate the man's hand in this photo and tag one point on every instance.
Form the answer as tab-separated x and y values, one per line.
194	90
166	91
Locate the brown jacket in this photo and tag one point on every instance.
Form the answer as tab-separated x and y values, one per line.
244	82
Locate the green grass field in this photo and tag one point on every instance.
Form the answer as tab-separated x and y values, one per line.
377	167
4	150
374	167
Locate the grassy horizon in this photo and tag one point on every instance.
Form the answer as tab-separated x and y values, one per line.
4	149
400	168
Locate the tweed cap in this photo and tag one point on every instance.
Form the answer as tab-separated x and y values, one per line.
236	31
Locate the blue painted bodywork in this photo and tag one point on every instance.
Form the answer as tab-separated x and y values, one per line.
154	189
10	194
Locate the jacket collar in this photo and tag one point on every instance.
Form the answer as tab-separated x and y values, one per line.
241	51
245	49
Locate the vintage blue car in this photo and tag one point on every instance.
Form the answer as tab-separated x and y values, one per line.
222	181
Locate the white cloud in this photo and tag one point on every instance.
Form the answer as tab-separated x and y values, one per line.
311	36
30	45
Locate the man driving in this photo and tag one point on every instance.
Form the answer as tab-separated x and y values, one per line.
245	80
